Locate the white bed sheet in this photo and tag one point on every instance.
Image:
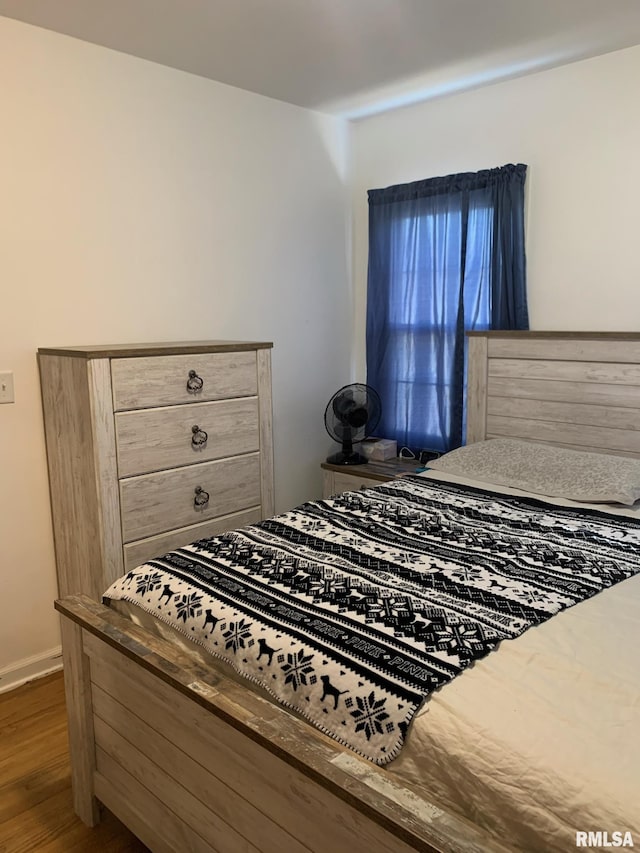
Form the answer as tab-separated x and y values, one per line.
540	739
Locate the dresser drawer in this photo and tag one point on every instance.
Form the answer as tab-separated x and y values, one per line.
154	439
155	546
140	383
351	483
156	503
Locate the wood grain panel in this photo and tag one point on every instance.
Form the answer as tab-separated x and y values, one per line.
569	413
266	433
602	394
566	349
160	780
341	478
81	549
230	809
273	787
328	484
476	389
576	434
329	772
156	503
105	468
77	686
156	439
159	827
343	482
136	553
158	348
162	380
533	334
568	371
579	390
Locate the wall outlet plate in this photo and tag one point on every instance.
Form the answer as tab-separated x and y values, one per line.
6	387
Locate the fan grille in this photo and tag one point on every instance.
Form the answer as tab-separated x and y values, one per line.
352	414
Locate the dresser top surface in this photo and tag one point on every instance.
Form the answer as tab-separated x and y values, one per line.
376	469
140	350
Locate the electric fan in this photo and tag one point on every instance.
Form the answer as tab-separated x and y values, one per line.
351	415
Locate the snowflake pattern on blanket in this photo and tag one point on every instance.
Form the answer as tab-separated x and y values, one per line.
353	610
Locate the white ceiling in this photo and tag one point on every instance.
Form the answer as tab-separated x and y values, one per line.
349	57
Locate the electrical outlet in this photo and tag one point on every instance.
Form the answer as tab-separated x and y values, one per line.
6	388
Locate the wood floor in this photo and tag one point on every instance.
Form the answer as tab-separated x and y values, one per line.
36	813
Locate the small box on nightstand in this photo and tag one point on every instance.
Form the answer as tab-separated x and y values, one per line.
379	449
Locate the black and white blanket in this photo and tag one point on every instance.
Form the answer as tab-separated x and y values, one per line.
353	610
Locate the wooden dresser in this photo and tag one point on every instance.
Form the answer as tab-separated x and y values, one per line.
150	447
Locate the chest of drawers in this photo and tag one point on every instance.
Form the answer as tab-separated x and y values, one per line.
150	447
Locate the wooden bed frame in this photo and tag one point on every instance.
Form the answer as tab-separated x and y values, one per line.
193	761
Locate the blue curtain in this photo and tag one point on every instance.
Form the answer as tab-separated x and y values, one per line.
446	255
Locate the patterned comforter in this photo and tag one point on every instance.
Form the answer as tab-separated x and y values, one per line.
353	610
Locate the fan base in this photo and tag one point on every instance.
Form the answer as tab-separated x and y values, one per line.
344	457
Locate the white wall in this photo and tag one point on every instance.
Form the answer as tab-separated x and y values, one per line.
139	203
578	129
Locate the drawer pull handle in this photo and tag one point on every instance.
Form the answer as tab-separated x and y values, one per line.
194	383
199	437
201	499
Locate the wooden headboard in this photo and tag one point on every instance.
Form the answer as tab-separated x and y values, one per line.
573	389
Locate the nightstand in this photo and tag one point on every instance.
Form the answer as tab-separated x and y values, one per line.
347	478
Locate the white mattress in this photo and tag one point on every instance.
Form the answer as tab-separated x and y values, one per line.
541	738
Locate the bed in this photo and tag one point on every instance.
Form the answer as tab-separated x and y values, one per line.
192	758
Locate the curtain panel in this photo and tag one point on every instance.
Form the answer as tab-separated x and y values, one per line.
446	255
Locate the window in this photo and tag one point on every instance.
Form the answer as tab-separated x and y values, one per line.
432	274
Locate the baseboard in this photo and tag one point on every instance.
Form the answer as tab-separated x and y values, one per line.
29	669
